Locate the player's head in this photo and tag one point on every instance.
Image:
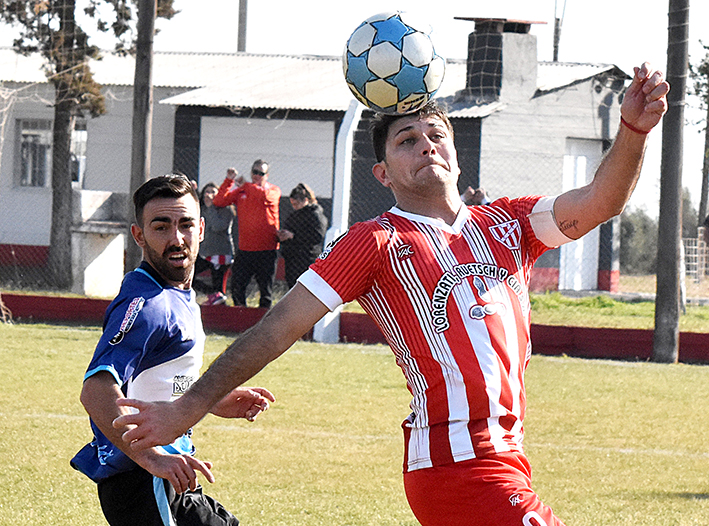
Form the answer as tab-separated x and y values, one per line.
382	122
417	157
168	227
172	185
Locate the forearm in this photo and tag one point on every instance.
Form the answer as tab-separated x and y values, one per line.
99	395
580	210
287	321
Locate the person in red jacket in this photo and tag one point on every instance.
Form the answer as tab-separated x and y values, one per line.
257	212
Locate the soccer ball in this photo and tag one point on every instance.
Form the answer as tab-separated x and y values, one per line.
390	64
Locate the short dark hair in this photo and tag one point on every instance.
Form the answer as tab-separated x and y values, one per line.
171	185
383	121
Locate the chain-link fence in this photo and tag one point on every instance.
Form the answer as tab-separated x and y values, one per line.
617	258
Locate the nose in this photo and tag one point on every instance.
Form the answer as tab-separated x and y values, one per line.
428	147
177	238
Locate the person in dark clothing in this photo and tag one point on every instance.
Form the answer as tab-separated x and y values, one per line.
303	233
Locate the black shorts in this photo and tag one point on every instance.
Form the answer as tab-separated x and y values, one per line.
137	498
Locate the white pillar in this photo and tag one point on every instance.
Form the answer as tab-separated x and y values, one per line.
327	330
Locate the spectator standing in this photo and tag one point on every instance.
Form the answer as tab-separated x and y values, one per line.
257	213
217	250
303	233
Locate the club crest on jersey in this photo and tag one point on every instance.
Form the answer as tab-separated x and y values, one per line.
508	233
131	314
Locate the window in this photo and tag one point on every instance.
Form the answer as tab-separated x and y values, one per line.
35	151
78	152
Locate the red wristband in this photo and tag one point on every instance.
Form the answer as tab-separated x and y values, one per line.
633	128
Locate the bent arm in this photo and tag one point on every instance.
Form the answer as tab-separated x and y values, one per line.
227	193
579	211
98	396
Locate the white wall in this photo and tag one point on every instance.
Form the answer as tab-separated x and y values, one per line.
297	150
25	213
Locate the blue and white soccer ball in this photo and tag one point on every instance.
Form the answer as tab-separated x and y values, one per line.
390	64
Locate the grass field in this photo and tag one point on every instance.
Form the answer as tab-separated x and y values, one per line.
611	442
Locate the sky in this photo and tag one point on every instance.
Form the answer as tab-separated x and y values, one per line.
621	32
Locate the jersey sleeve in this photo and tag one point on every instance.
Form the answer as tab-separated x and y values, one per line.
129	333
348	266
537	235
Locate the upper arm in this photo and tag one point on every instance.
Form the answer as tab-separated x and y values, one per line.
98	396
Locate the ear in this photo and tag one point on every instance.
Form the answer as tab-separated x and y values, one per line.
137	234
380	173
201	229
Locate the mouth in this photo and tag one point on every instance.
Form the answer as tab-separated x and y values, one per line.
178	258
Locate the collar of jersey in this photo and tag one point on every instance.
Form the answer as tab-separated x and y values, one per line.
149	271
455	228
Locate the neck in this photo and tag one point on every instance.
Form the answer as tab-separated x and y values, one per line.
445	210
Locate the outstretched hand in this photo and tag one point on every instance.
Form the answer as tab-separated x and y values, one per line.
244	402
645	101
156	423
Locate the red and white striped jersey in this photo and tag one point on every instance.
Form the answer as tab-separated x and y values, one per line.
453	304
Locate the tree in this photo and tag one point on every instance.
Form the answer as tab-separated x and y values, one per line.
638	242
700	77
50	27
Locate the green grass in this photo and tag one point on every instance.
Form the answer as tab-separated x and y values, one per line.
601	311
610	442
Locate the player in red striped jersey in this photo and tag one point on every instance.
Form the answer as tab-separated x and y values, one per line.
448	286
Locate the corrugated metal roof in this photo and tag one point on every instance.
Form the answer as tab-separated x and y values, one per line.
272	81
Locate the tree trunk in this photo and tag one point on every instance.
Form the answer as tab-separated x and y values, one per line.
60	239
667	301
65	60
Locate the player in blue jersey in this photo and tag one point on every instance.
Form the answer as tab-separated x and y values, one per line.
151	348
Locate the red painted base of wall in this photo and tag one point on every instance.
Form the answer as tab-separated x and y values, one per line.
544	279
622	344
609	280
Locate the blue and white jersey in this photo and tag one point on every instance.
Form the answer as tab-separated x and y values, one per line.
152	344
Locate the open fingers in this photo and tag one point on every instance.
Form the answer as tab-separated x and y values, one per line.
264	392
203	467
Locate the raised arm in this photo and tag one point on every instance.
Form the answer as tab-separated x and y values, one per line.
580	210
162	422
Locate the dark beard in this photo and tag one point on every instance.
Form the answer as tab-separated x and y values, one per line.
167	271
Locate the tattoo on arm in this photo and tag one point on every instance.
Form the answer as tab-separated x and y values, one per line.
567	225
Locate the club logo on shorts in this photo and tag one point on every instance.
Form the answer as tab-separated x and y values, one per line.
131	314
509	234
515	499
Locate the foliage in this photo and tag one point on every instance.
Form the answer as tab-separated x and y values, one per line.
689	215
638	242
329	451
700	77
51	29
